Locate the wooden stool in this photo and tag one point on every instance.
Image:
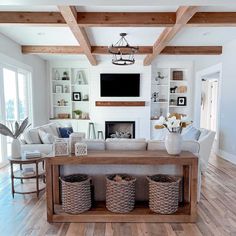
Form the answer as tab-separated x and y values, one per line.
91	131
100	135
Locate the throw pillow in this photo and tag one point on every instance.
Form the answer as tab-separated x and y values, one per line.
32	136
191	134
46	137
65	131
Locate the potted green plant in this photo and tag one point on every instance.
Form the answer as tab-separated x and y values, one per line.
78	113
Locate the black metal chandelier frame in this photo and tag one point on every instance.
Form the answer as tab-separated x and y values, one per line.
123	53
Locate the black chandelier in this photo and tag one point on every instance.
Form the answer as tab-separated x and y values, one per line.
122	52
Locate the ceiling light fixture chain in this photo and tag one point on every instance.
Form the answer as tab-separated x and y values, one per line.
123	53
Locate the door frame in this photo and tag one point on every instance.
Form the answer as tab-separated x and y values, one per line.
197	99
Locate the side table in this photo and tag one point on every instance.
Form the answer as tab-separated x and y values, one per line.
18	174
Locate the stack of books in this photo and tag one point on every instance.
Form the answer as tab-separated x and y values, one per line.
28	171
32	155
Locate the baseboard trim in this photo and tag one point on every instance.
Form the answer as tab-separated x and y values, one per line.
227	156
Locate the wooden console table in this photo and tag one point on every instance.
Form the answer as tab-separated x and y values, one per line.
141	213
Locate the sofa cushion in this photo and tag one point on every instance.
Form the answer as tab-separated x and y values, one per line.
191	134
65	132
95	144
50	129
31	136
126	144
46	138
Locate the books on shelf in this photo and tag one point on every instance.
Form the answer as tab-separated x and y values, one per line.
32	154
28	171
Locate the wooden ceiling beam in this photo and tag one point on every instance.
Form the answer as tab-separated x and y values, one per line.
99	50
192	50
126	19
32	18
212	19
115	19
70	15
183	15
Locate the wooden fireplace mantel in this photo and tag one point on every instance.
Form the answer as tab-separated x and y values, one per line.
120	103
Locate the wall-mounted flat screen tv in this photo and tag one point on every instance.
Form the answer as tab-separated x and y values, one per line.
120	85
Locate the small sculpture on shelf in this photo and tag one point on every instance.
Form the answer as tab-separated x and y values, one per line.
155	96
80	79
62	102
65	89
172	102
159	77
173	89
65	76
85	97
57	75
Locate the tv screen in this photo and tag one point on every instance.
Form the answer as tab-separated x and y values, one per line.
120	85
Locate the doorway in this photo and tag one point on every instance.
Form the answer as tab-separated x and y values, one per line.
209	101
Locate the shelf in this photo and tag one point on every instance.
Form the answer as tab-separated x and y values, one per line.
61	81
175	106
179	94
159	102
60	106
61	93
79	84
68	119
178	81
29	186
19	174
141	213
161	85
80	101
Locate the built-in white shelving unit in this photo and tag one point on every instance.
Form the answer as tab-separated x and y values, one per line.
69	92
163	100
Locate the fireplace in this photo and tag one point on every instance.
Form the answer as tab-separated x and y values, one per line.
120	129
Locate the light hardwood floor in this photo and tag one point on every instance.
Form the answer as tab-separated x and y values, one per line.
26	215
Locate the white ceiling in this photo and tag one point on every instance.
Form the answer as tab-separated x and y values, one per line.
204	36
39	35
119	2
136	36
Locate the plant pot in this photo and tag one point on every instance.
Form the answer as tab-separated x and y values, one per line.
77	117
173	143
15	149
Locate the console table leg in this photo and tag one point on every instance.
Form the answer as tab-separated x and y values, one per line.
56	186
186	183
12	181
37	179
49	193
193	189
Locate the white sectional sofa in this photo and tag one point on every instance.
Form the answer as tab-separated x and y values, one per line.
201	148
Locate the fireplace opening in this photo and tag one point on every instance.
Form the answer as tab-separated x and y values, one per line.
120	129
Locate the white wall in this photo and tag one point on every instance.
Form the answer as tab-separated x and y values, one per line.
11	54
227	109
141	115
98	115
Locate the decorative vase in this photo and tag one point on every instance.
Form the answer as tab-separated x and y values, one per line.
15	149
173	143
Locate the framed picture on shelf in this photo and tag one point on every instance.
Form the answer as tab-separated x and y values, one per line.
58	88
76	96
181	101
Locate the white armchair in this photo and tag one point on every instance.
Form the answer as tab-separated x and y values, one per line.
206	141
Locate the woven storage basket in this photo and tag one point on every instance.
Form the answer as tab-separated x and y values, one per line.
120	196
163	193
76	193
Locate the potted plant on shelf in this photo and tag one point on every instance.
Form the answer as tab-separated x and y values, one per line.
174	123
78	114
15	134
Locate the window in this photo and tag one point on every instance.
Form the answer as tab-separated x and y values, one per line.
15	100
